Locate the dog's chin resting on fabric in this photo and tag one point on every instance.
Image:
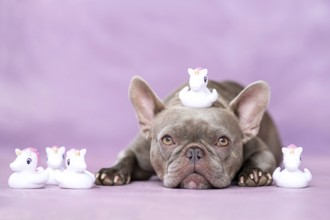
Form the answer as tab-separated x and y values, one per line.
234	140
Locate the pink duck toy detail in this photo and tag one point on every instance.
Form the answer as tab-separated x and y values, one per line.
75	176
26	174
292	176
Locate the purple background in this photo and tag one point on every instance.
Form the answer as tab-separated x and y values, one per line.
65	66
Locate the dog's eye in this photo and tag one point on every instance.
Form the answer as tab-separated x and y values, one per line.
167	140
223	141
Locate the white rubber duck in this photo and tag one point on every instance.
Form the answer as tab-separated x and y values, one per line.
55	162
75	176
26	174
292	176
199	96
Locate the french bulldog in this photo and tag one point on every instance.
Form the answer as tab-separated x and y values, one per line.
234	141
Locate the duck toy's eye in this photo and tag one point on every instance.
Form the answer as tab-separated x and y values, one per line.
68	162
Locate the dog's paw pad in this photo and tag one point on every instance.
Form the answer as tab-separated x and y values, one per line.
255	177
111	177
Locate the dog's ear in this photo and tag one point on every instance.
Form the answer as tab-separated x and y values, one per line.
145	102
249	106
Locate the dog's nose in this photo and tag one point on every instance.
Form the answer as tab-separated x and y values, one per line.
194	154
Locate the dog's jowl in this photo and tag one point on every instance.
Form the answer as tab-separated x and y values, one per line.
234	140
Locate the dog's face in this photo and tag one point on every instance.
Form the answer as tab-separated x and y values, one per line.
198	147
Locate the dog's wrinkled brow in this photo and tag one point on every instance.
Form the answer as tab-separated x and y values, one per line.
195	131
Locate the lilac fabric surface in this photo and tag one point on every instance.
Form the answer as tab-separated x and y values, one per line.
65	67
150	200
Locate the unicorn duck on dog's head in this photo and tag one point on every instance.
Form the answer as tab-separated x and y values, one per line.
26	174
292	176
75	176
199	96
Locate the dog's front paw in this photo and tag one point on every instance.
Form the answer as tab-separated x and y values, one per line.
255	177
112	177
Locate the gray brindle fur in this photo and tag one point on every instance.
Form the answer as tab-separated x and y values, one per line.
234	140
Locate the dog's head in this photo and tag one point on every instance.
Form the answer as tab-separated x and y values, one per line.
198	147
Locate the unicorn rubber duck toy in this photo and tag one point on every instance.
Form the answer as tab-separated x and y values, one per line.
26	174
75	176
55	162
199	96
292	176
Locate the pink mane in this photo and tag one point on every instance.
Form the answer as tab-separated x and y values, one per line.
33	150
292	146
